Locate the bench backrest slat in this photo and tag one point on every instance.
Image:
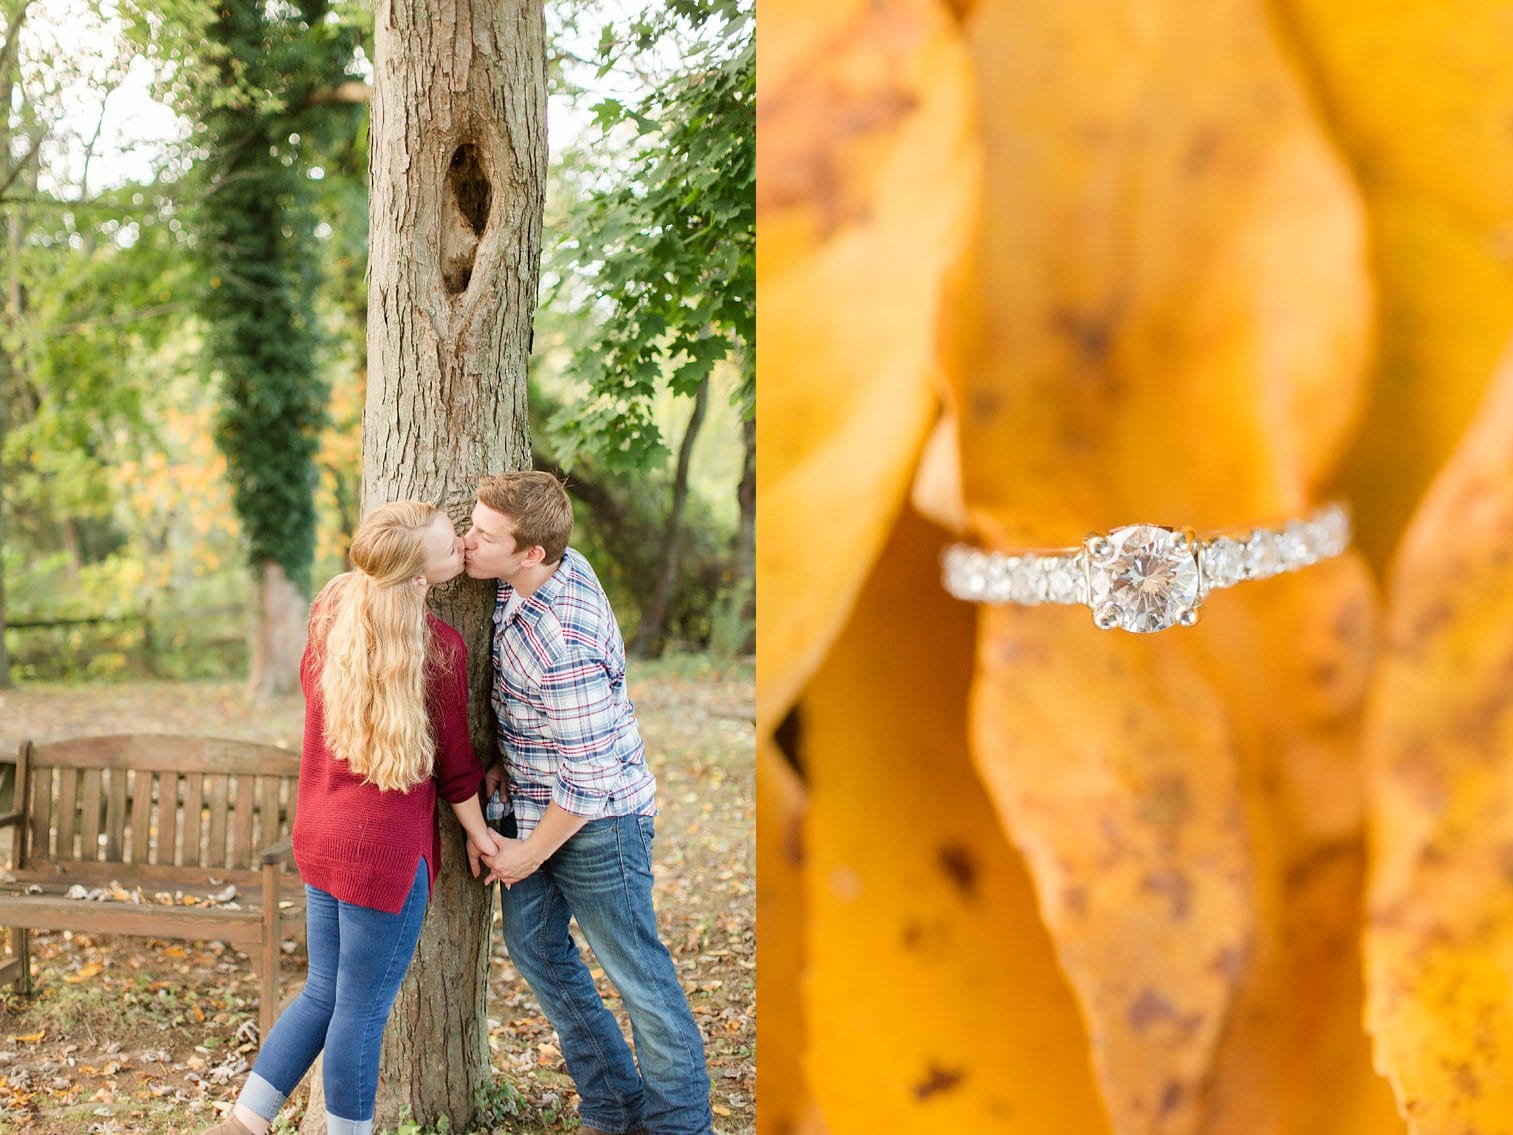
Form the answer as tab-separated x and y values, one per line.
242	845
142	800
89	831
215	851
115	815
171	754
142	789
190	819
41	782
68	814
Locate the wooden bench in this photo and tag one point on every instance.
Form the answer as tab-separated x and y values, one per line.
174	820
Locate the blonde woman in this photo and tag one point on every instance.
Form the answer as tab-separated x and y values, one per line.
386	729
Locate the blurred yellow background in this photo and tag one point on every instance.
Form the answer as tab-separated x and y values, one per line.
1028	270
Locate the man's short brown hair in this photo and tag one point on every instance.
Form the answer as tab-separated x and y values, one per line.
537	505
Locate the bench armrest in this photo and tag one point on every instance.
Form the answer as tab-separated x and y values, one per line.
279	852
13	817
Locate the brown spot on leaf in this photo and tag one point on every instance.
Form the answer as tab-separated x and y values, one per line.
825	124
1465	1080
937	1080
1201	149
1150	1008
1172	885
1090	335
789	738
960	866
1166	802
913	933
1171	1098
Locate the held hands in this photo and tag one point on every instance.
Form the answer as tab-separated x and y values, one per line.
477	853
512	862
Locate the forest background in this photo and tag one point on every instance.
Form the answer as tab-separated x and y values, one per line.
130	500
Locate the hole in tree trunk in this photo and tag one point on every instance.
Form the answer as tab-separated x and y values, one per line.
465	216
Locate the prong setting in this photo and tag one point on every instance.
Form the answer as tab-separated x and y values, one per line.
1100	549
1106	616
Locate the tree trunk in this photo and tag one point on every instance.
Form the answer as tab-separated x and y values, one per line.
745	544
15	14
458	160
278	633
649	629
11	316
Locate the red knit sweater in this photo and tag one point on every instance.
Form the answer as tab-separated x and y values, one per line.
363	844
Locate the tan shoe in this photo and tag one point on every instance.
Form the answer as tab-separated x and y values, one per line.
231	1125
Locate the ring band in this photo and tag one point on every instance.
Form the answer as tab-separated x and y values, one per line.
1144	577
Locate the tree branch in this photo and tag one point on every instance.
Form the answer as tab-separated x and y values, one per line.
353	91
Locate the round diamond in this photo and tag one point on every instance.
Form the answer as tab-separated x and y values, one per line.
1150	581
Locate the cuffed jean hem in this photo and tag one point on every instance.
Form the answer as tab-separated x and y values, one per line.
336	1125
260	1097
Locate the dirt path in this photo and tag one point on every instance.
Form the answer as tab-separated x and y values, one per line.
130	1035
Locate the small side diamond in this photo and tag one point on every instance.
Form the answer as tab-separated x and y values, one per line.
1063	579
1336	529
1294	547
1262	556
1223	562
1027	581
966	572
1000	579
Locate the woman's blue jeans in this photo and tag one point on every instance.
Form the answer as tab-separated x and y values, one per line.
358	957
602	875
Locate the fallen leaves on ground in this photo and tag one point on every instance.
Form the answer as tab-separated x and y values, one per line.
136	1036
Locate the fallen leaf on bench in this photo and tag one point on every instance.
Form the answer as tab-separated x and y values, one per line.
29	1038
224	896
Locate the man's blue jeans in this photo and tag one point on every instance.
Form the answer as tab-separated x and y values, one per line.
603	877
358	957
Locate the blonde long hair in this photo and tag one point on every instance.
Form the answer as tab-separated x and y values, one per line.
370	629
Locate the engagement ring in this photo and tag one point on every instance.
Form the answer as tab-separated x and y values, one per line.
1144	577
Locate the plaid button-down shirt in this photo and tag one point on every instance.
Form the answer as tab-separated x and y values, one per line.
567	730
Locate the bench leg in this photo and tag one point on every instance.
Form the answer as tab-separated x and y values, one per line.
18	969
268	1007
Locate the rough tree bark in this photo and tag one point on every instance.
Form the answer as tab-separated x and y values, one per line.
458	169
745	545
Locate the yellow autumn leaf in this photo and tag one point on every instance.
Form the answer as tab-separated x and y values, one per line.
1142	339
865	182
1439	944
935	1003
1419	97
780	956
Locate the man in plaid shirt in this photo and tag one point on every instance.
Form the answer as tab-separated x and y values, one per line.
572	771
